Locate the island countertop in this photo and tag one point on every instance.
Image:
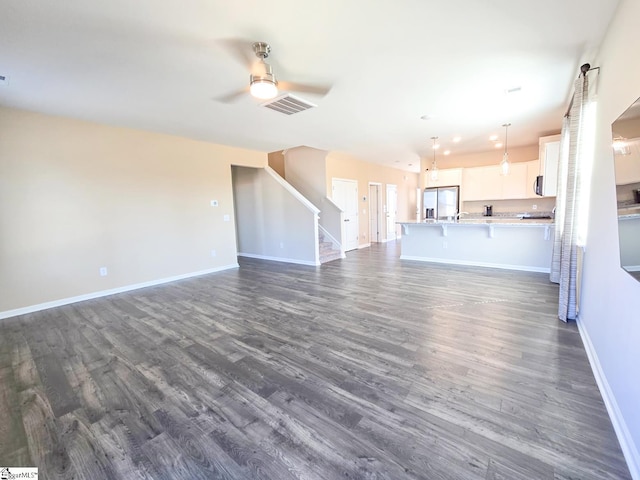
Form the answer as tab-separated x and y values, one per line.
511	221
499	242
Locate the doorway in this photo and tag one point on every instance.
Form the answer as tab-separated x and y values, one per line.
392	211
345	195
375	212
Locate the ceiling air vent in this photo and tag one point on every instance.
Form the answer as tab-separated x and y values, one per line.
288	104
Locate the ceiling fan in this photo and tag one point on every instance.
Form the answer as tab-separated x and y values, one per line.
262	81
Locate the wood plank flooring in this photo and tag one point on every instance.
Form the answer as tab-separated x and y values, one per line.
363	368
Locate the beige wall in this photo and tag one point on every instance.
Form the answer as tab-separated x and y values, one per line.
76	196
347	167
276	161
479	159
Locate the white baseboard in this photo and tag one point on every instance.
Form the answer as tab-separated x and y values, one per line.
523	268
628	446
389	239
105	293
364	245
279	259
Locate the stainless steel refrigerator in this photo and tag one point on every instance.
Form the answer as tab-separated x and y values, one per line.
441	203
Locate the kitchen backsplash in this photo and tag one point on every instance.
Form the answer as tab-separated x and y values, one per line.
625	194
512	207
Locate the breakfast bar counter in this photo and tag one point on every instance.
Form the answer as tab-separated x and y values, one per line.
510	243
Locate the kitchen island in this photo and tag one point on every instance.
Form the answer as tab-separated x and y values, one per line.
509	243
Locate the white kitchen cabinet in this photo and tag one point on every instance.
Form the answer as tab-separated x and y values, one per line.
514	185
533	170
447	177
486	183
481	183
549	150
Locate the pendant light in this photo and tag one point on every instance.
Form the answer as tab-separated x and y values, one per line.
434	167
504	164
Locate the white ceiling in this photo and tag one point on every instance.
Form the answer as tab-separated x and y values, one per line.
160	65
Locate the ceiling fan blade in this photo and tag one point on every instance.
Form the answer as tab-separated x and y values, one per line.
233	96
240	49
304	88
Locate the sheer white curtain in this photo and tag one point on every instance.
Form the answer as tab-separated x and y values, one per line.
574	164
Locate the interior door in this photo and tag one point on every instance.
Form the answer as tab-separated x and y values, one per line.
392	211
345	195
375	210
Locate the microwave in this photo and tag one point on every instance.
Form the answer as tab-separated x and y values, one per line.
537	187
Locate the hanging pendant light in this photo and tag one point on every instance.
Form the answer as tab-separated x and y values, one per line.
434	167
504	164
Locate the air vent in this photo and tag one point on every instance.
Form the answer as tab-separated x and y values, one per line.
4	80
288	104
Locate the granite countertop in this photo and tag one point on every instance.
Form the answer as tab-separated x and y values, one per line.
522	219
628	215
511	221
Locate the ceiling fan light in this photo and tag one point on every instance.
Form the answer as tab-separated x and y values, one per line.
263	88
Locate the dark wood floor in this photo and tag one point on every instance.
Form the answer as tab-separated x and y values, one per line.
364	368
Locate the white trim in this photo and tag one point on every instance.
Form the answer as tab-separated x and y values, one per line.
390	239
280	259
632	268
524	268
289	188
106	293
629	449
364	245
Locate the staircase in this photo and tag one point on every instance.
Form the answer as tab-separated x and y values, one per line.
327	252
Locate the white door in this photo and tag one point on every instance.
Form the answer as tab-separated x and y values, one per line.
375	211
392	211
345	195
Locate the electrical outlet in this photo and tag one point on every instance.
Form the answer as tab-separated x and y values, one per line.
214	203
444	244
227	218
103	271
213	253
535	207
281	244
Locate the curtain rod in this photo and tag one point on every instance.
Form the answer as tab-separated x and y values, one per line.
584	69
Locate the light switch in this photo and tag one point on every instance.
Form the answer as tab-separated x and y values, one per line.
227	218
103	271
214	203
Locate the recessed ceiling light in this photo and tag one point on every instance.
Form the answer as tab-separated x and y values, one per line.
446	152
498	144
427	116
493	137
456	139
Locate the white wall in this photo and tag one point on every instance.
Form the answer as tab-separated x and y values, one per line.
271	222
610	312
